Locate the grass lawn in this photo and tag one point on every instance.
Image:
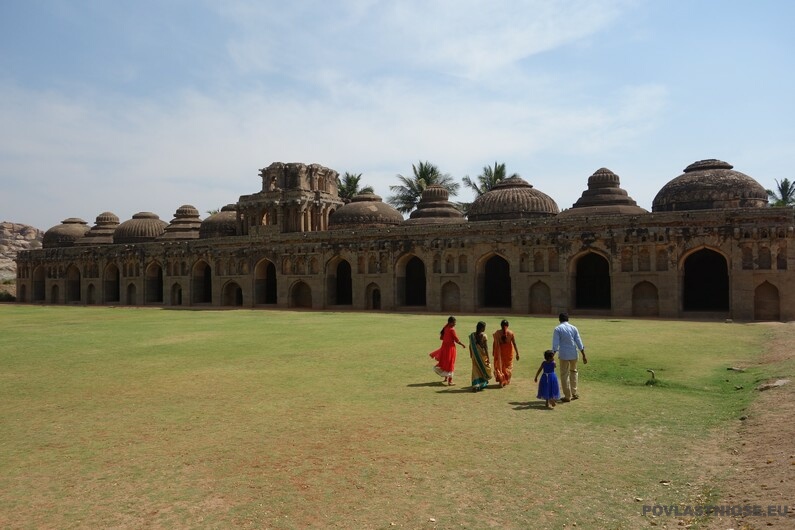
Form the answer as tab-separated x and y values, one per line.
125	417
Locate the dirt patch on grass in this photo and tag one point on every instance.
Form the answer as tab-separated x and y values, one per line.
761	450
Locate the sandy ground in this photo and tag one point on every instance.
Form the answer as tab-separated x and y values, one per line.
759	452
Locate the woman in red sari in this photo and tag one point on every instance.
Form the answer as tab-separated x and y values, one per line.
445	356
504	348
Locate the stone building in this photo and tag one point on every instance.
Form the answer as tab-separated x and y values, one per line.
710	248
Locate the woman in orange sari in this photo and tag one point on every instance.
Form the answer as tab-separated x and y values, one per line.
503	351
445	356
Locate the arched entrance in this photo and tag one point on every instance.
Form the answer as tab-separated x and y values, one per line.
706	282
55	295
645	300
414	291
339	283
132	294
540	299
153	288
265	283
233	294
301	295
592	282
766	302
111	284
496	283
176	294
91	294
202	283
72	293
373	294
39	289
451	298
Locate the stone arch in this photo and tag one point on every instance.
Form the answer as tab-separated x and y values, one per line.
592	281
300	295
449	264
72	291
765	258
494	281
55	295
645	300
176	294
39	282
232	294
111	283
202	283
644	259
91	294
411	281
538	262
23	293
451	298
132	294
767	304
705	281
153	286
265	282
339	282
373	295
540	299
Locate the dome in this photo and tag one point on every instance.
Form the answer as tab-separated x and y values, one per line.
604	196
512	198
221	224
366	210
144	226
185	225
102	231
710	184
65	234
435	208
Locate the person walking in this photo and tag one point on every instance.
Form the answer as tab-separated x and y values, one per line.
446	354
566	342
504	349
548	388
479	352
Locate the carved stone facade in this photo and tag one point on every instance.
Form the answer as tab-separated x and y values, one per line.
711	248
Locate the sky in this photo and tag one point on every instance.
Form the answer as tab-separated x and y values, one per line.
147	105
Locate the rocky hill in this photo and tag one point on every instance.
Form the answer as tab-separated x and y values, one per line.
13	238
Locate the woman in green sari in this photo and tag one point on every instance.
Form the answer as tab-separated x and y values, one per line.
479	352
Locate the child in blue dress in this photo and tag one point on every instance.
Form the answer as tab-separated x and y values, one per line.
548	387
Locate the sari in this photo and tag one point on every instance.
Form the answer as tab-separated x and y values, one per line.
445	356
503	356
479	352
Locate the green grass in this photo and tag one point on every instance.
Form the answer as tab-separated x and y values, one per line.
270	419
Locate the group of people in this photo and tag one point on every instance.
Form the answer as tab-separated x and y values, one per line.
566	343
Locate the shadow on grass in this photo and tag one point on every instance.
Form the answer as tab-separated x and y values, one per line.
435	383
527	405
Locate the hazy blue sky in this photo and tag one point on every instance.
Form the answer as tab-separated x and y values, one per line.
143	105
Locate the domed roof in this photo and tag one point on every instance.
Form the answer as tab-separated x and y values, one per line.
710	184
512	198
185	225
144	226
221	224
435	208
604	196
102	232
366	210
64	234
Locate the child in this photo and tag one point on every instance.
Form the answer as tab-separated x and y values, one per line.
548	388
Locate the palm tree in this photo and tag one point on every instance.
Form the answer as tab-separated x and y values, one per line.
349	187
485	182
487	179
784	195
408	194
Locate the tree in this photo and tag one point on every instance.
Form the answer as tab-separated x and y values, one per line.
349	187
784	195
487	179
408	194
485	182
213	212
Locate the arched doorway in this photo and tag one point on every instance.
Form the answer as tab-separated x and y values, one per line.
451	298
91	294
301	295
339	283
233	294
645	300
55	295
265	283
496	282
111	284
373	294
132	294
706	282
414	293
592	283
766	302
153	288
72	293
176	294
39	289
202	283
540	299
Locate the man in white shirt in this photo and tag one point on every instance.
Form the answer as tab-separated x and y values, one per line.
565	342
